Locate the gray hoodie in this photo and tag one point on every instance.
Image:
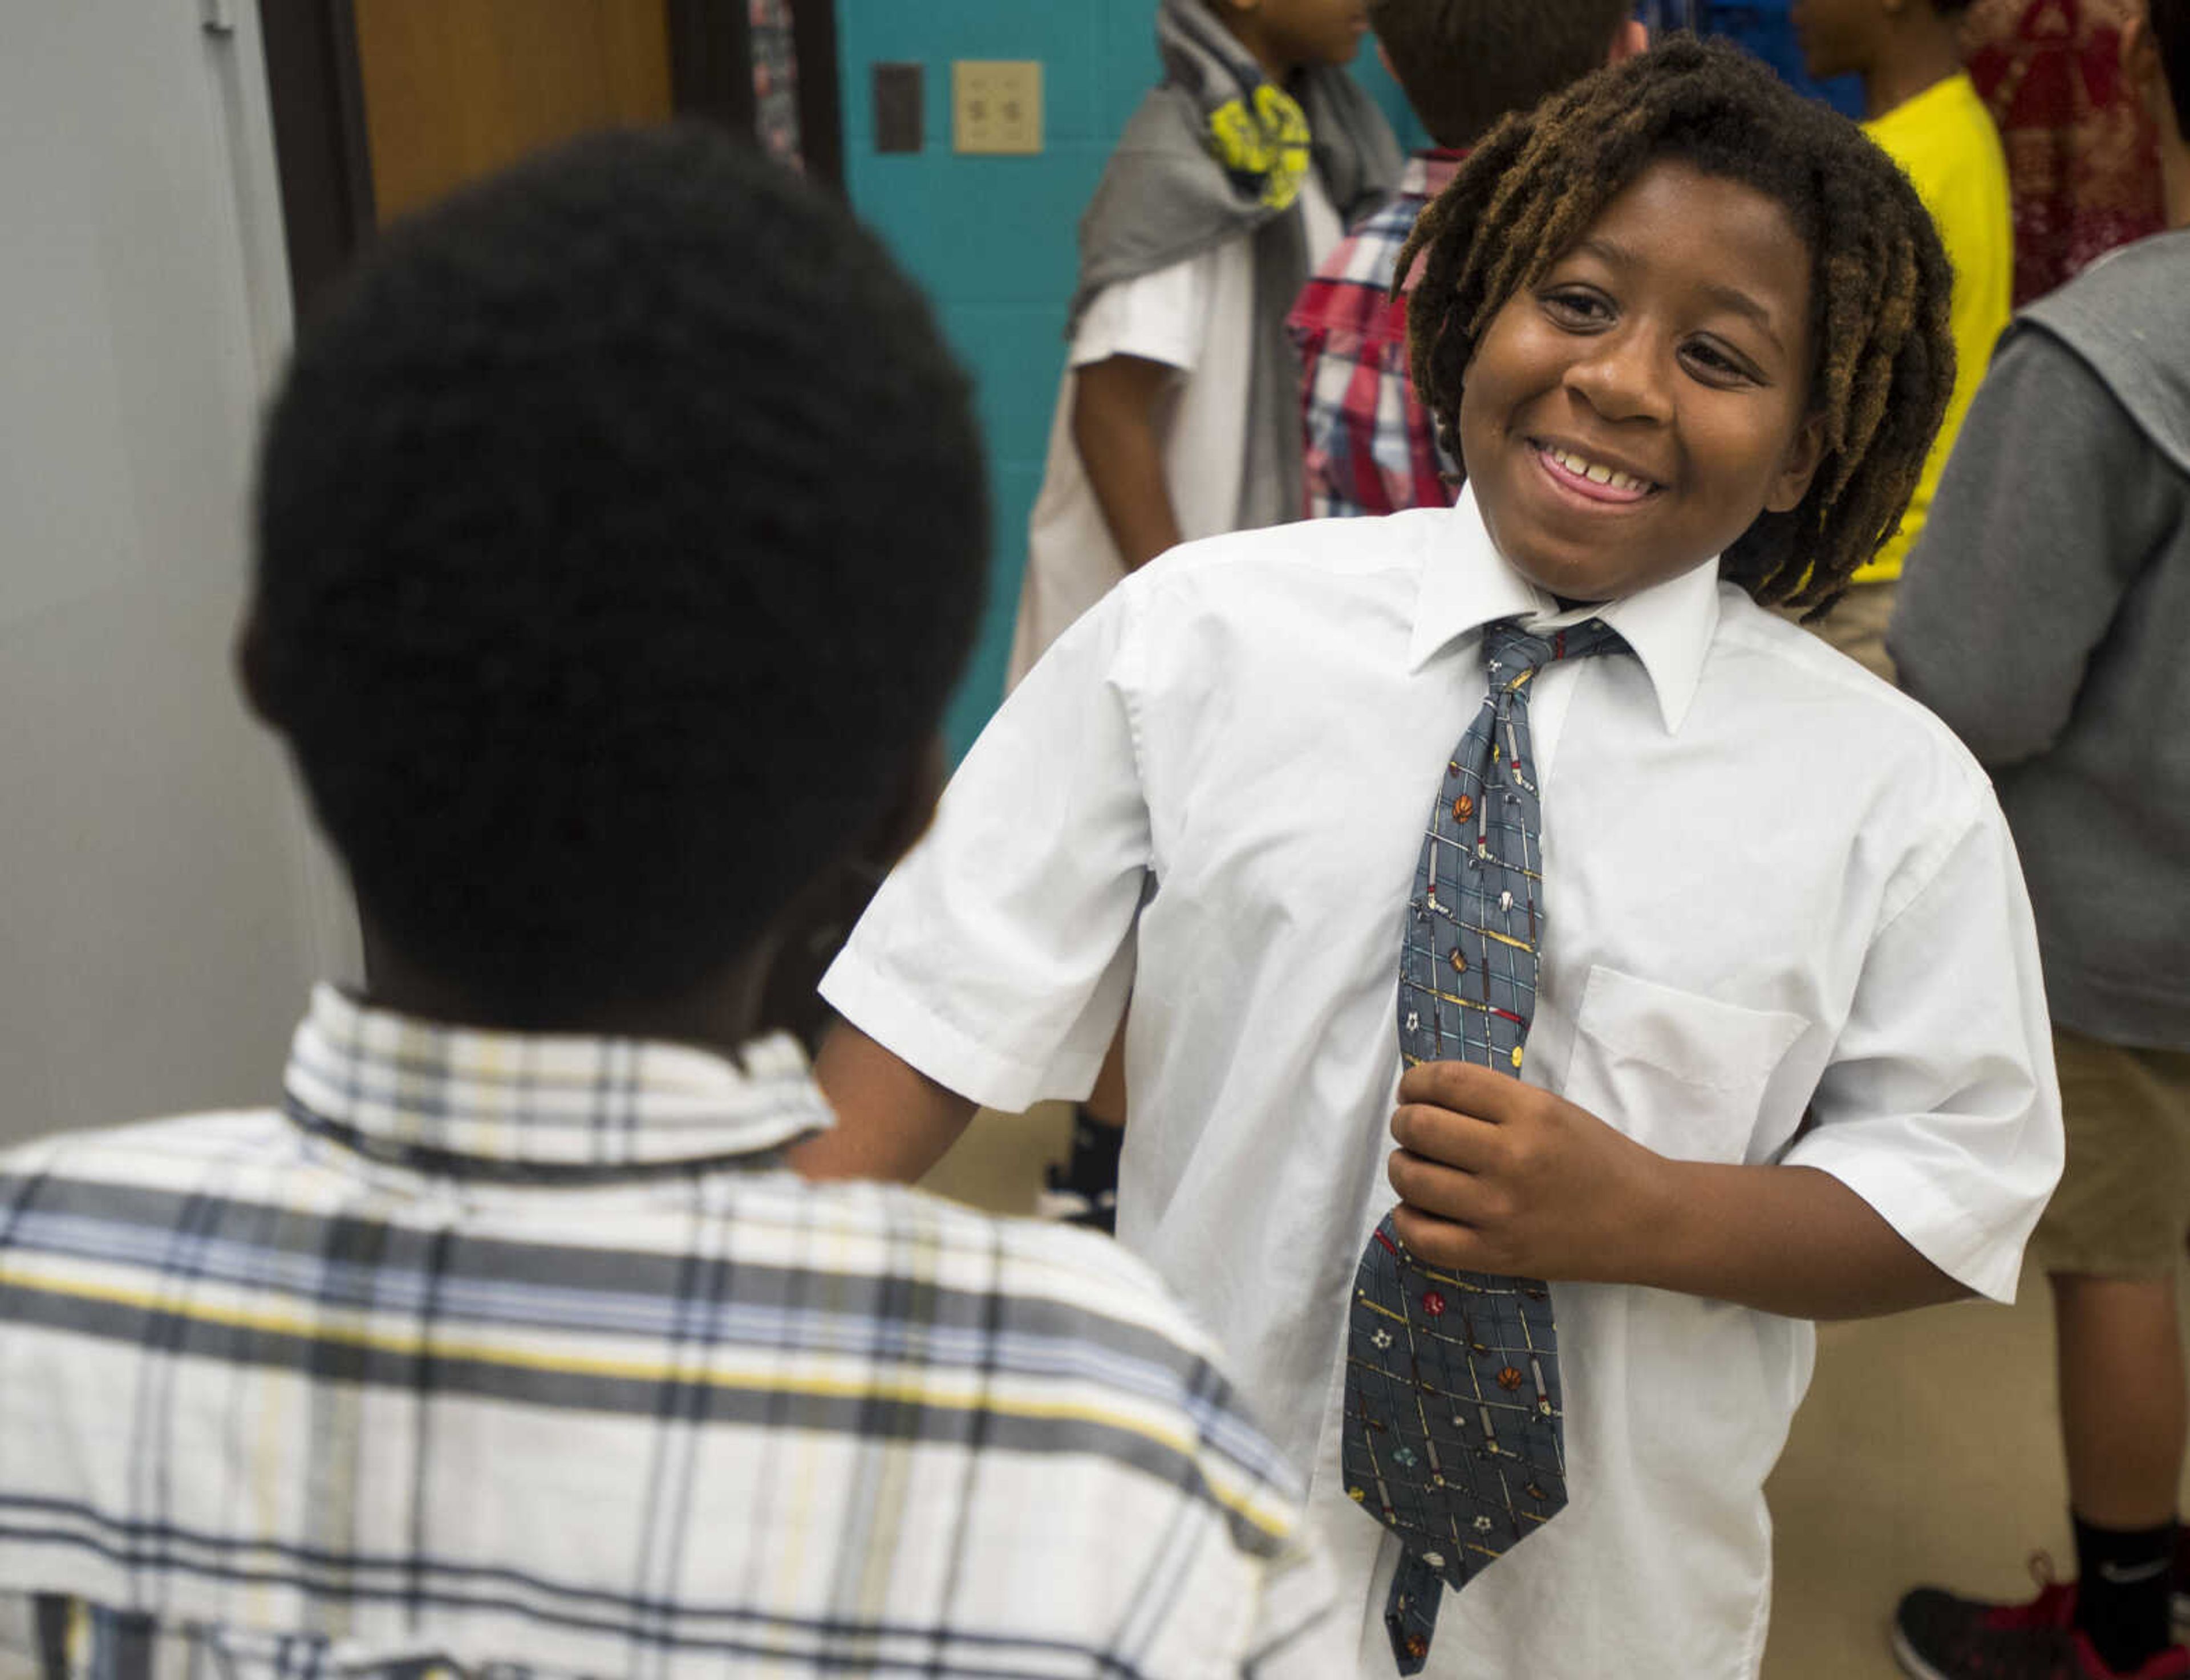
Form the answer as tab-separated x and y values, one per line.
1164	198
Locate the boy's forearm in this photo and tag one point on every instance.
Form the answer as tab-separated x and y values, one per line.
1496	1175
1114	429
1792	1240
893	1122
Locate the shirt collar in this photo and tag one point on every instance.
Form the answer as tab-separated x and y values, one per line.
400	1087
1466	583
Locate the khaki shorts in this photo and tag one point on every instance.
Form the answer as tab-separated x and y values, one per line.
2123	1209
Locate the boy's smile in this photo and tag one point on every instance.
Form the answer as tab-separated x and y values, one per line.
1630	414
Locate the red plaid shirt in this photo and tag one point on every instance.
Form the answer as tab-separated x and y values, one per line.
1371	447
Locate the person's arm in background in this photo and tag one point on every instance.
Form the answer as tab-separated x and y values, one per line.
1113	427
2044	515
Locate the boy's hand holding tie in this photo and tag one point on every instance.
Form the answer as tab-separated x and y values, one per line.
1496	1175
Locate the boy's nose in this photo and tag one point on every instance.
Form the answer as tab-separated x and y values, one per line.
1622	376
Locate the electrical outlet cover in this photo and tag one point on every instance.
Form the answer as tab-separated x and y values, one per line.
996	105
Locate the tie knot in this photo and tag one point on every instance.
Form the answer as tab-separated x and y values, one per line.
1512	649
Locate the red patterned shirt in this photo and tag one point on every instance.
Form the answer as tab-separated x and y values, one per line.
1371	447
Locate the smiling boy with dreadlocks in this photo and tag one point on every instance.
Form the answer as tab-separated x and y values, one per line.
1696	983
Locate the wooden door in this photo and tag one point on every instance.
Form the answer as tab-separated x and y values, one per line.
454	89
381	105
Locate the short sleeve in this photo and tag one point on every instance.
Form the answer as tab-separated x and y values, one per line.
1939	1107
1157	317
997	956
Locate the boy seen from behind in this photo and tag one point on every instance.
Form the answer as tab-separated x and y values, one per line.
1688	966
503	1342
1921	106
1370	445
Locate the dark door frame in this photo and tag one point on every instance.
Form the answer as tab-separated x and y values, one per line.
820	98
319	141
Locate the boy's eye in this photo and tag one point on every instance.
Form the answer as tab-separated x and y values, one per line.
1716	365
1576	309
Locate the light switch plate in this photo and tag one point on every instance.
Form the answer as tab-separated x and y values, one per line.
996	106
901	98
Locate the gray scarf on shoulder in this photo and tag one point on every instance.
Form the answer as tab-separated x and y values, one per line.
1217	151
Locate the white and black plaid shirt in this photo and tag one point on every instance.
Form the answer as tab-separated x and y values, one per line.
519	1354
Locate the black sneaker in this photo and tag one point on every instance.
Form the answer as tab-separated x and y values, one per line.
1941	1636
1084	1191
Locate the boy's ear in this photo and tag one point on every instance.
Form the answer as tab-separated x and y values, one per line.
1803	457
1633	42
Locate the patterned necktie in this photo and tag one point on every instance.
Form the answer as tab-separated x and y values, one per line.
1453	1411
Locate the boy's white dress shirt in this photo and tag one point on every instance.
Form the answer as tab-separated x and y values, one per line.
1774	884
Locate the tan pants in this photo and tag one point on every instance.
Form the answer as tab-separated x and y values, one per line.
1857	625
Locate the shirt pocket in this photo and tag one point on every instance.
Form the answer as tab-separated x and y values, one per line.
1680	1073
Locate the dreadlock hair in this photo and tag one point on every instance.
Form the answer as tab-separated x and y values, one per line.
1464	64
1880	281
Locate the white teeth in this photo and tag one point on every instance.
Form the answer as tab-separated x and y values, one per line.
1597	473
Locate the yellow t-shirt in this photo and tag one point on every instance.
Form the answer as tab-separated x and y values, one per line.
1945	141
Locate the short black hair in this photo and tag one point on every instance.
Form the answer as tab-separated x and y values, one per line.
620	531
1880	281
2170	31
1464	64
1951	9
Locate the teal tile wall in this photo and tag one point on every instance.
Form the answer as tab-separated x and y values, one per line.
991	238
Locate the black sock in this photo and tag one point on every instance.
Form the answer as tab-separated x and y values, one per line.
2123	1580
1095	1151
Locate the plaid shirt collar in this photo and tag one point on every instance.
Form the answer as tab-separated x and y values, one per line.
470	1101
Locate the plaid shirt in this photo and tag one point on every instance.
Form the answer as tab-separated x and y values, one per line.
525	1353
1371	447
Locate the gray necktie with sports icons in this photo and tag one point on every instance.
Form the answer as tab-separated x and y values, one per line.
1452	1435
